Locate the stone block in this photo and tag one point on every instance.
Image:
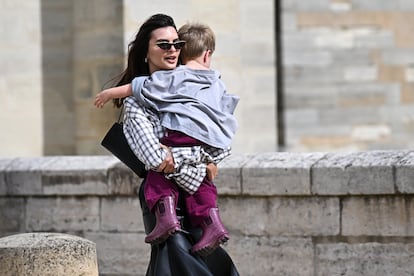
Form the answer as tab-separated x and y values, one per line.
308	216
307	58
62	214
404	174
377	39
271	255
322	77
400	57
355	173
121	214
299	119
361	74
314	96
360	56
367	95
121	253
122	180
12	214
247	215
279	173
24	175
378	216
47	254
77	175
379	5
284	216
228	180
4	163
364	259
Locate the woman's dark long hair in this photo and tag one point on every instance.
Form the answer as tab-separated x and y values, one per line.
138	48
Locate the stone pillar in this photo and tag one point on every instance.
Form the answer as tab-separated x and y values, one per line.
47	254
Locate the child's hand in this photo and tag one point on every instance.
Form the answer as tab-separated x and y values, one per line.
212	171
101	99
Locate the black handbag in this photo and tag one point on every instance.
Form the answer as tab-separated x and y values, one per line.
116	143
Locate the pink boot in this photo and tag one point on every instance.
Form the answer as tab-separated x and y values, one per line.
214	234
167	222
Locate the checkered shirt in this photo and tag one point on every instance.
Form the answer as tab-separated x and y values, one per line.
143	130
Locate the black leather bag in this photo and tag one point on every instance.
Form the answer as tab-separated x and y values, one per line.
117	144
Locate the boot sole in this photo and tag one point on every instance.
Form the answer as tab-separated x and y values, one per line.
209	248
163	237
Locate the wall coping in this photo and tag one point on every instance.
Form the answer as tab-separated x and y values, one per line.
263	174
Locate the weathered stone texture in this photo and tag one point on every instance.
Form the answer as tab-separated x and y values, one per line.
404	174
371	259
356	173
272	255
13	219
62	214
122	214
285	173
282	216
378	216
47	254
356	54
287	213
121	253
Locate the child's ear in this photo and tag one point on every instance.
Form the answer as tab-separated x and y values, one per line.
207	55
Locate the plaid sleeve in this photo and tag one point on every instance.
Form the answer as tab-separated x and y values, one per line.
142	131
215	155
190	168
192	163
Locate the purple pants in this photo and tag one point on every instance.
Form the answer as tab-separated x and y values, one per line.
158	187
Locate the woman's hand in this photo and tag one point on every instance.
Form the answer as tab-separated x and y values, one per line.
212	171
167	166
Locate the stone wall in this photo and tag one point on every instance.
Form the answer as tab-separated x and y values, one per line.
288	213
347	70
57	55
20	80
348	74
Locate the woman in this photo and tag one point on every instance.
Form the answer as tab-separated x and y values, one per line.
171	257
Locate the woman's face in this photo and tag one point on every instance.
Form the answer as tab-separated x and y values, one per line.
159	59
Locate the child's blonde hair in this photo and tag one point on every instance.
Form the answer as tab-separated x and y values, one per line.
198	38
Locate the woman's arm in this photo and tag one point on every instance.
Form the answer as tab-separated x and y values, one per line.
143	133
117	92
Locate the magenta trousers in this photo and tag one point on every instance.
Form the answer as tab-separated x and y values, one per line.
158	187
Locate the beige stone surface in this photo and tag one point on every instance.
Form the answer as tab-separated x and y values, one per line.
47	254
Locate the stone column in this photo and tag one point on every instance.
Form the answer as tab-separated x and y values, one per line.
47	254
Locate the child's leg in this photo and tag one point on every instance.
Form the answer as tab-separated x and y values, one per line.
161	196
200	203
203	211
158	187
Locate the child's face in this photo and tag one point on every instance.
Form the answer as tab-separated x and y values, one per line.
159	59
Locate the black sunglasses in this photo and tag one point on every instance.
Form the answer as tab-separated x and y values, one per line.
167	46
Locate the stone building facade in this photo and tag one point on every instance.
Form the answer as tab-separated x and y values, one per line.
348	74
344	74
